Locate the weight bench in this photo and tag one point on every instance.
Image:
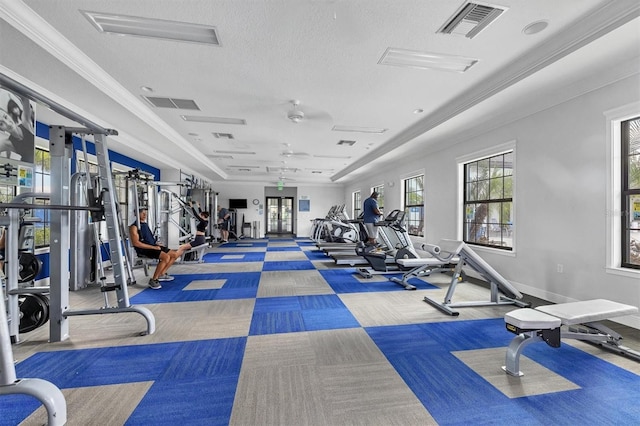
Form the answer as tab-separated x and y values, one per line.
439	260
580	321
502	292
199	253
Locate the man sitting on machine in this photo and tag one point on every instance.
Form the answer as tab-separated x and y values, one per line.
145	245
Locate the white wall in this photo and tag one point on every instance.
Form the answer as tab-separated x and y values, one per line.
560	203
321	198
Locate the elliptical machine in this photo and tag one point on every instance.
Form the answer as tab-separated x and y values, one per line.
397	244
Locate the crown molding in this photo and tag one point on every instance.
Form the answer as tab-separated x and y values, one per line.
599	22
33	26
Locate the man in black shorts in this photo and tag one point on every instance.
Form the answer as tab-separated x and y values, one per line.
223	223
145	245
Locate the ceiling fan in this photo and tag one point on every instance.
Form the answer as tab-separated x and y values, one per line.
289	153
296	115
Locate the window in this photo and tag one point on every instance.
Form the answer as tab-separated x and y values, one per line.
7	193
380	191
414	205
488	201
630	194
357	204
42	183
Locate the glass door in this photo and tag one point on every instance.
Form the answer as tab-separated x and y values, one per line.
279	215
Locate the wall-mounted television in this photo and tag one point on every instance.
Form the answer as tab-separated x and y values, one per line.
237	203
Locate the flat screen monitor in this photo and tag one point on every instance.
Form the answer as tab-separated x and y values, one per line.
237	203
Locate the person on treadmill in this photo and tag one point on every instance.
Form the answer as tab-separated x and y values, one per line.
372	215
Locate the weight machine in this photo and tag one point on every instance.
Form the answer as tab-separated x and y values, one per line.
104	205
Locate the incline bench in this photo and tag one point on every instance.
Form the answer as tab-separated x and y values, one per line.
580	319
453	251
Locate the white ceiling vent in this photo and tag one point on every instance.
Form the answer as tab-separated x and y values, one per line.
153	28
172	103
223	135
471	18
214	120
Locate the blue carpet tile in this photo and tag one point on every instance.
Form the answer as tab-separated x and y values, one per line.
233	257
204	390
238	285
195	382
288	265
344	280
300	313
315	255
422	356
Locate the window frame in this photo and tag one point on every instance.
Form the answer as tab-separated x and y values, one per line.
356	199
614	214
499	225
405	195
509	146
626	193
41	186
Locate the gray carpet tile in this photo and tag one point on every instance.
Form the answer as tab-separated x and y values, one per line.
292	283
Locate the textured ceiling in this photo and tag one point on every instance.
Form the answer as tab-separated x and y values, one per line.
324	54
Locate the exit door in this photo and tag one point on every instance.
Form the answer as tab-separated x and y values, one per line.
279	215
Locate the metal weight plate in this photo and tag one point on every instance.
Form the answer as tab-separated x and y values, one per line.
33	310
28	267
45	304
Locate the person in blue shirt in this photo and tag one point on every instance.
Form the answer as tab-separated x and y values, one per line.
145	245
372	214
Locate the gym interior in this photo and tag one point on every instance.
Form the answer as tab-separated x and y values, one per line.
504	284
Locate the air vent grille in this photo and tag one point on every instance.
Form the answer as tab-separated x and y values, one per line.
346	142
471	19
223	135
173	103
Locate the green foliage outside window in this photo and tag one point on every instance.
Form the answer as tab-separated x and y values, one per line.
488	201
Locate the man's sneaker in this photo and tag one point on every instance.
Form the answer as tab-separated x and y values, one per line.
165	277
154	284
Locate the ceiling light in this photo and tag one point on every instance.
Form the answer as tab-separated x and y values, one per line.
535	27
425	60
153	28
146	89
332	156
418	111
216	120
235	152
357	129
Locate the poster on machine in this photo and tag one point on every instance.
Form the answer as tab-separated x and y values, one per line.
17	135
636	209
